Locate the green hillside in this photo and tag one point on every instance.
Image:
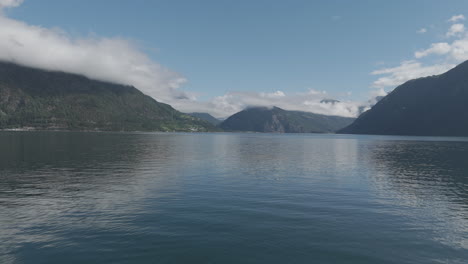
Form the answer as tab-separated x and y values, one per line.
38	99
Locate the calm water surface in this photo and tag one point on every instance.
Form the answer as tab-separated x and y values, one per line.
232	198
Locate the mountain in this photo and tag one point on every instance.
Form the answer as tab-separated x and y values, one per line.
207	117
262	119
38	99
430	106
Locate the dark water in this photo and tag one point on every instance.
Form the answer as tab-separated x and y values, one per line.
232	198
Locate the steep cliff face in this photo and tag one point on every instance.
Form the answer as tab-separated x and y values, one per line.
40	99
277	120
275	125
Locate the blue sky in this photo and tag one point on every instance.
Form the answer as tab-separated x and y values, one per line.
259	46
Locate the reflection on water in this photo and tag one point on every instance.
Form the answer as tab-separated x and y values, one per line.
230	198
424	168
429	177
52	182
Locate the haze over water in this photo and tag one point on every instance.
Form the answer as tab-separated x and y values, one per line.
232	198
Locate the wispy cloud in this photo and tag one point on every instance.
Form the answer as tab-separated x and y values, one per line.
444	56
436	48
406	71
422	30
456	18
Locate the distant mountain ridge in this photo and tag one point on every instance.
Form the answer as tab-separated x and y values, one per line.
430	106
263	119
207	117
39	99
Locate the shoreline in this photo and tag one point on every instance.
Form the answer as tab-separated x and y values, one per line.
395	137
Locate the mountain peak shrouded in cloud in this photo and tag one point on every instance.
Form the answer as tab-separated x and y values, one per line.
107	59
38	99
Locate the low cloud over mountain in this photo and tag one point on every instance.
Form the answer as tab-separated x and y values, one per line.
108	59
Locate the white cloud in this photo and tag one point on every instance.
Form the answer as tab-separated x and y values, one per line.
456	18
422	30
455	30
315	92
459	50
406	71
309	101
374	94
436	48
108	59
10	3
277	94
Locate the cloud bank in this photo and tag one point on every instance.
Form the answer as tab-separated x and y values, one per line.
108	59
310	101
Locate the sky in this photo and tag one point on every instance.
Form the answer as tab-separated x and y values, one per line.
220	56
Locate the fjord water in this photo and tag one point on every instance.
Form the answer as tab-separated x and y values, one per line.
70	197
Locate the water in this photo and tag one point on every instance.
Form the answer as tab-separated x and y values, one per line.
232	198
